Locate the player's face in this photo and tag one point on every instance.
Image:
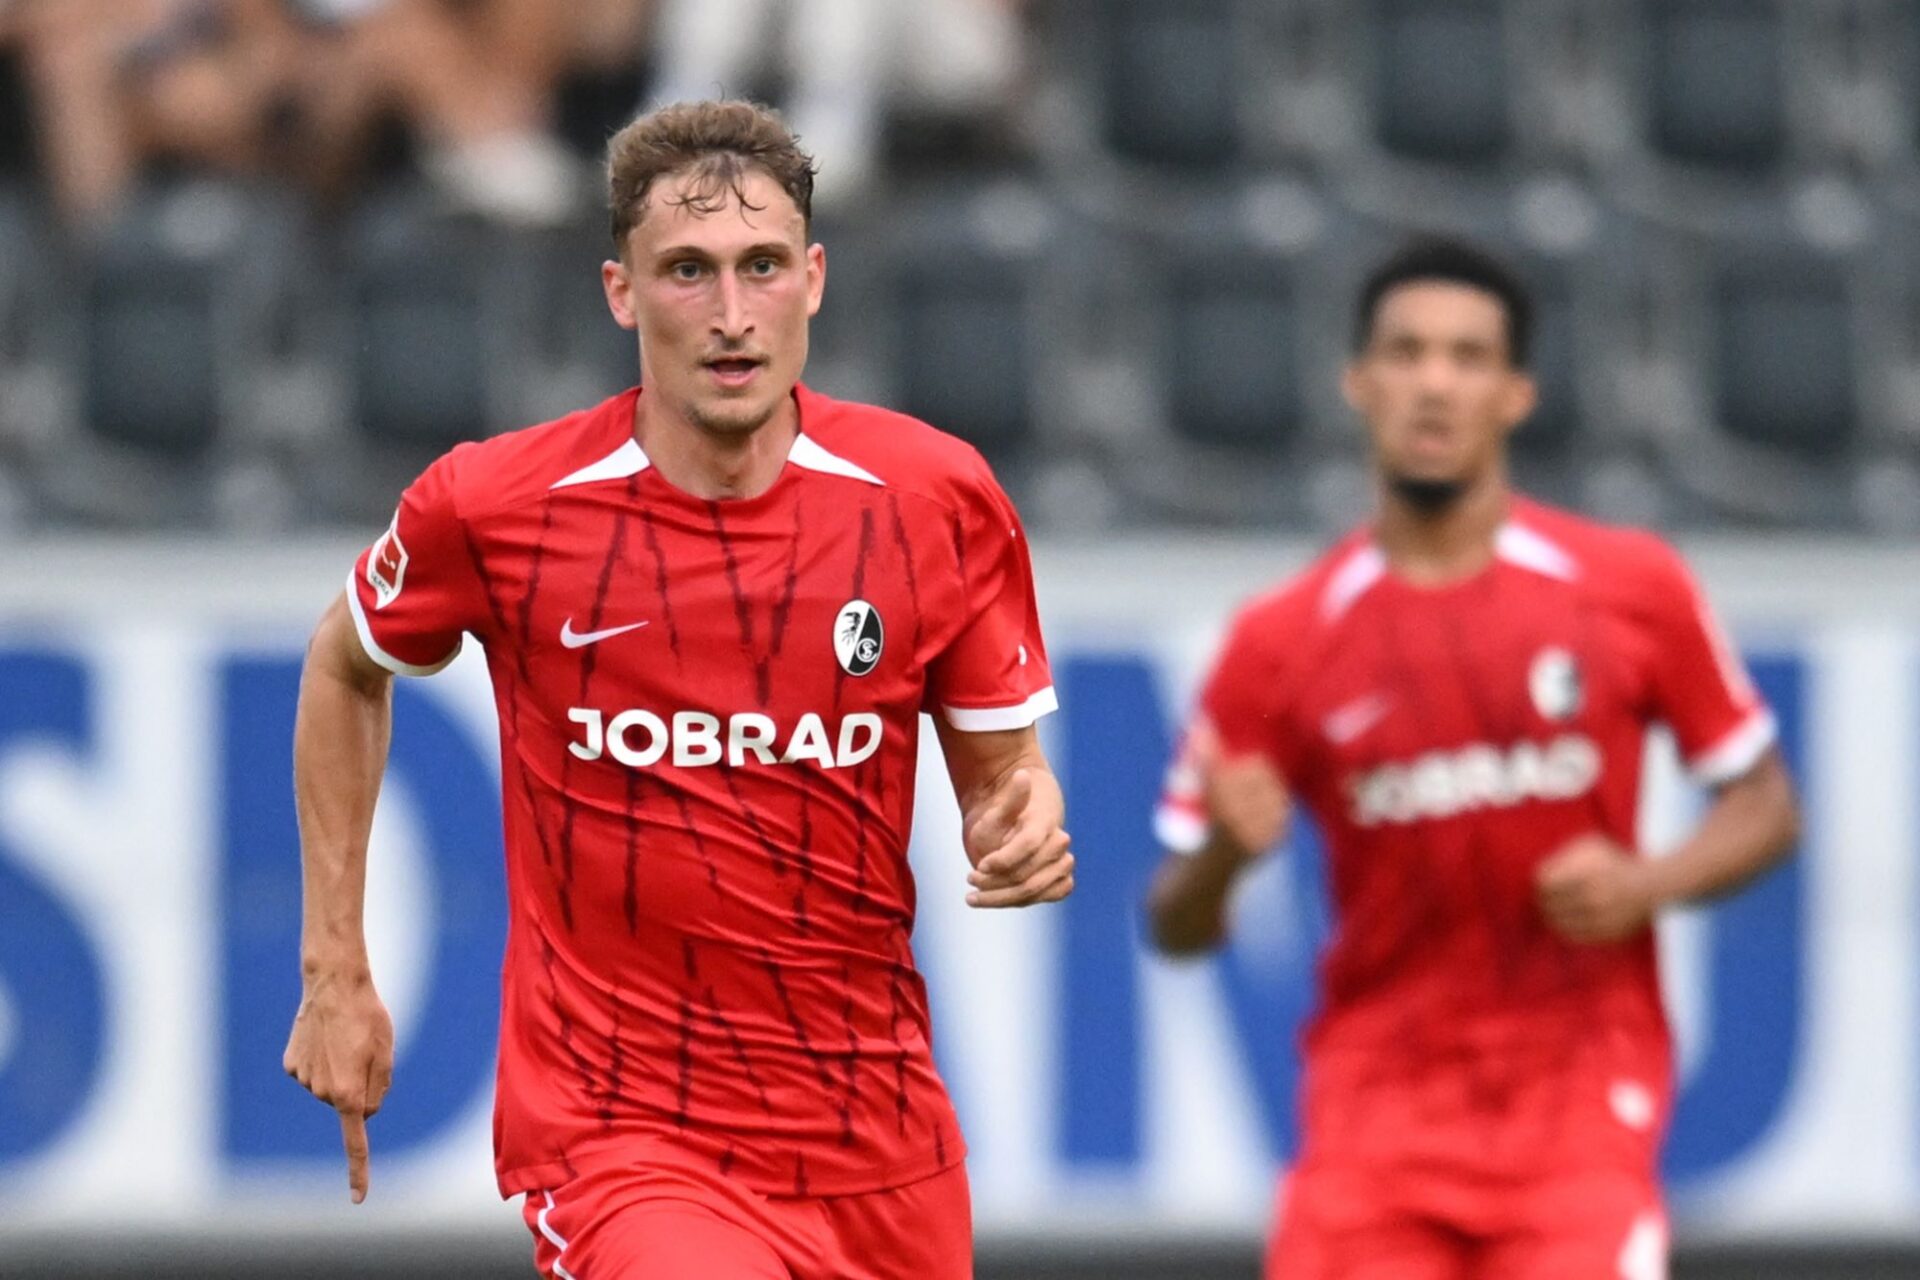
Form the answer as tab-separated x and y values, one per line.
721	298
1437	385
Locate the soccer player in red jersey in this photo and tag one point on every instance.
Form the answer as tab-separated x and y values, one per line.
1458	693
713	609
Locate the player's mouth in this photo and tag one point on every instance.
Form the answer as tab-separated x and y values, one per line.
733	371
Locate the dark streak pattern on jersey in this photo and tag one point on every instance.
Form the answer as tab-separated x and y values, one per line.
901	540
775	854
861	900
534	565
630	877
803	854
616	1063
790	583
798	1027
683	1091
726	1159
896	1011
699	841
742	611
660	581
852	1082
589	659
739	1049
525	682
940	1144
560	1015
800	1186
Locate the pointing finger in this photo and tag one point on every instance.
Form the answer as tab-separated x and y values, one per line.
353	1132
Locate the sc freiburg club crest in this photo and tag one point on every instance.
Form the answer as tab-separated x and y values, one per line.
858	637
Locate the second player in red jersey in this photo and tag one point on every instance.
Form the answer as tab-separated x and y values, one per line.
1459	694
713	610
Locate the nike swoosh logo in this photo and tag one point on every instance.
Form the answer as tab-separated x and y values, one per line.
1349	722
577	640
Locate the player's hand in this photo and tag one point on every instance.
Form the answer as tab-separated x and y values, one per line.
341	1051
1013	838
1245	795
1593	890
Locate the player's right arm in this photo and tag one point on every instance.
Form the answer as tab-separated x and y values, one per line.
1237	808
408	601
1225	802
341	1048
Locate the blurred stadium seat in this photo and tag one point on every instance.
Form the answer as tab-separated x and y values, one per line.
418	288
1440	83
1716	82
1169	79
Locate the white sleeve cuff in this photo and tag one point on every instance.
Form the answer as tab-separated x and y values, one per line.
372	646
1000	719
1178	829
1737	751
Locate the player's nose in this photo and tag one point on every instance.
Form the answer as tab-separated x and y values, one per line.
731	321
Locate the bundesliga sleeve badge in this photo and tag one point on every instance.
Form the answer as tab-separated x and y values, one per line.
387	565
858	637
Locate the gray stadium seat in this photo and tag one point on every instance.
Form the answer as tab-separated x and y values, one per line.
165	301
416	289
1168	82
1783	354
1440	80
1233	330
964	279
1717	82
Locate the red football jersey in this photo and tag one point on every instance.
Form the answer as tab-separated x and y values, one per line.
709	716
1447	741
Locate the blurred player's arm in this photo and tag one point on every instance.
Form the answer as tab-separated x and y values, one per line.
341	1048
1592	890
1246	809
1011	811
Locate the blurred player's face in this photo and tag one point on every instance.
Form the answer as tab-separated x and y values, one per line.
1438	389
721	294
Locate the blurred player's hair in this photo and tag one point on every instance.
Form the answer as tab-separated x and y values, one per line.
1441	258
718	142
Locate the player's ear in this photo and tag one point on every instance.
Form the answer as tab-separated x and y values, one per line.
816	277
617	282
1523	396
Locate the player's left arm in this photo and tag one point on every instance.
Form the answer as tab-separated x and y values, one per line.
1011	811
1595	891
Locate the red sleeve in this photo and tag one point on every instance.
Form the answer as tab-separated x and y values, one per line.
415	590
994	674
1700	685
1235	702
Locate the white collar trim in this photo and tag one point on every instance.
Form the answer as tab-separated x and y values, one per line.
627	460
808	453
1519	545
1356	574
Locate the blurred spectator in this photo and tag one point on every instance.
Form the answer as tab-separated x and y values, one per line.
476	81
843	63
120	84
297	89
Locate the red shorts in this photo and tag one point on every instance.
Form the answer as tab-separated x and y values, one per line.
1347	1225
670	1216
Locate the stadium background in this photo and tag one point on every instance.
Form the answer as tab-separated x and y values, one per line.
261	259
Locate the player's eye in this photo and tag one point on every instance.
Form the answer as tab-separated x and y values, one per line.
685	270
763	266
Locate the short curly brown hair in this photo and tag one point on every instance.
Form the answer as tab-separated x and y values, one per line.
717	142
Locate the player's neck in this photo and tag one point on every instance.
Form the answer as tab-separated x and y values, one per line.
1432	548
715	465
